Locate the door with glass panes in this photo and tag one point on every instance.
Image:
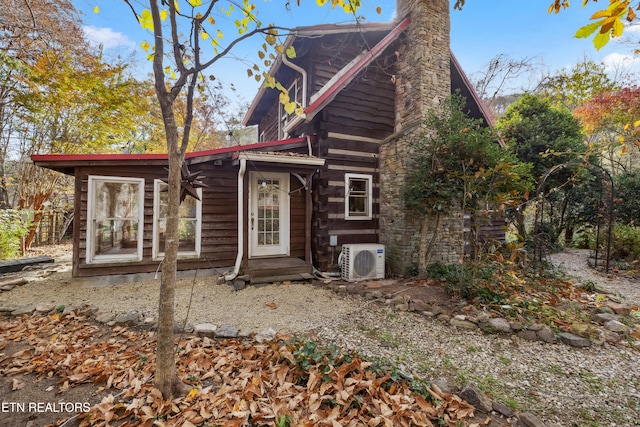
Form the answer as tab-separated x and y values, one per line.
268	214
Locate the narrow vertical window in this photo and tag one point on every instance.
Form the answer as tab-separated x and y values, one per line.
115	218
189	222
358	196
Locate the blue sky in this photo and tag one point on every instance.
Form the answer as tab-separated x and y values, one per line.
478	33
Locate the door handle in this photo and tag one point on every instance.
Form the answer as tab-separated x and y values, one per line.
252	220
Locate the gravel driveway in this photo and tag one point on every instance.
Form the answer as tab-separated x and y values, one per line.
561	385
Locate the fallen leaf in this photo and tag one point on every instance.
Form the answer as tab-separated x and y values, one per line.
17	384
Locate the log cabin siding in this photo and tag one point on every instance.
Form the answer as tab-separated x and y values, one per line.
343	156
219	234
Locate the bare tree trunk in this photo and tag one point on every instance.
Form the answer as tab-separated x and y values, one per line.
166	376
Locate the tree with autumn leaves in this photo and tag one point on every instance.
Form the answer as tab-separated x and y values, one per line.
187	41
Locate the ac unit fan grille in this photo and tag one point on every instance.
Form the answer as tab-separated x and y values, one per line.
364	262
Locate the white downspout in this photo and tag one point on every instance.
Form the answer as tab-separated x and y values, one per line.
236	268
301	70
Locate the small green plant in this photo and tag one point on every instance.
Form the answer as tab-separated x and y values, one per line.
284	420
473	349
12	228
504	360
307	354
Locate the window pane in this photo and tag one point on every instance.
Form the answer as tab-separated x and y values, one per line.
115	218
357	205
187	221
115	237
358	197
358	186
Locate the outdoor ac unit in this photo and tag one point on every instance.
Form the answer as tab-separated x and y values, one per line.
362	261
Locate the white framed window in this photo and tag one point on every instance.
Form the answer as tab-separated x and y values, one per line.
115	218
189	222
283	116
358	197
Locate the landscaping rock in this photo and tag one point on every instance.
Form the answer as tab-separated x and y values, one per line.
45	307
266	335
462	324
545	334
528	335
500	324
100	317
603	318
516	326
436	310
12	283
529	420
206	330
68	309
580	328
573	340
128	319
618	308
227	331
604	309
419	305
87	310
619	327
23	310
472	394
502	409
483	316
239	285
7	308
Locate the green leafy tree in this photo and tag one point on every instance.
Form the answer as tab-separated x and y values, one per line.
12	228
71	103
459	165
544	137
572	89
628	198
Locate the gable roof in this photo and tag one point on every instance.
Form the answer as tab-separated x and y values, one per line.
382	34
266	97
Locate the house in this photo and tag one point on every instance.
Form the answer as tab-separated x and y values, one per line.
312	183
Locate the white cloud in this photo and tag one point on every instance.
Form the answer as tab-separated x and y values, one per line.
619	61
107	37
632	28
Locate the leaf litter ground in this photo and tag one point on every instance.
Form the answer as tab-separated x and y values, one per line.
50	364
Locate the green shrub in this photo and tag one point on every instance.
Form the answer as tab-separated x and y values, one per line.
625	242
12	228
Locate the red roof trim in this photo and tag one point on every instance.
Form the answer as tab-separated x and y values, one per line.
363	62
142	157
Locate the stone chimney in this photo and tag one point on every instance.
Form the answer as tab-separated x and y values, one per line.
423	80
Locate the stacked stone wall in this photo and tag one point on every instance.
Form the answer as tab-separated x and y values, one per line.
423	80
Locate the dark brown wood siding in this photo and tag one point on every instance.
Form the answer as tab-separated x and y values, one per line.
483	231
297	214
219	221
342	156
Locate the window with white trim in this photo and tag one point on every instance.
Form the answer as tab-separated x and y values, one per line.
115	217
358	200
189	222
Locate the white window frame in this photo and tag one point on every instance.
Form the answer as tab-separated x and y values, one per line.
92	258
369	196
157	255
